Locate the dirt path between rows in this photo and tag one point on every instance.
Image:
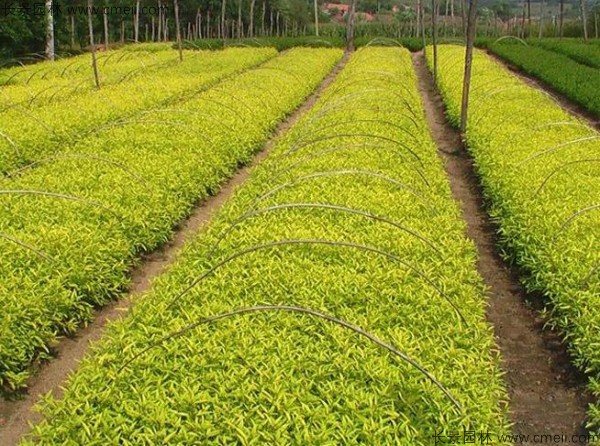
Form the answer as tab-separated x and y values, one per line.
547	395
16	416
565	103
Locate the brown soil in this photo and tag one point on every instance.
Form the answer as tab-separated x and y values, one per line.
16	416
547	395
568	105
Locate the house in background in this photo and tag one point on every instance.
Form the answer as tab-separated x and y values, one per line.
338	12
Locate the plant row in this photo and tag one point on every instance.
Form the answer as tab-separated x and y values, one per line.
29	135
50	82
577	82
581	52
284	43
540	168
333	300
78	67
71	229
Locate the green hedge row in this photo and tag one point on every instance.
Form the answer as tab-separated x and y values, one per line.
284	43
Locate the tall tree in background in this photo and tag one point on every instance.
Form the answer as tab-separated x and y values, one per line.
316	8
542	12
583	7
223	27
471	30
92	45
105	22
240	24
251	22
562	18
136	22
49	30
350	27
434	13
178	30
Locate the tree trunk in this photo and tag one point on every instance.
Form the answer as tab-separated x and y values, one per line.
136	22
207	34
122	31
49	30
178	30
72	18
223	31
277	20
446	13
262	24
153	28
316	7
463	10
528	17
159	20
471	28
522	30
596	23
584	19
239	20
92	45
419	19
452	17
541	19
350	29
251	21
434	13
105	20
562	17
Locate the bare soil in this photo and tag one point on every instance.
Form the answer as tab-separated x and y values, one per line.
547	395
16	416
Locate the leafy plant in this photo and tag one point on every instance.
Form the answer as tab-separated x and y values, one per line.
143	183
537	165
578	82
279	374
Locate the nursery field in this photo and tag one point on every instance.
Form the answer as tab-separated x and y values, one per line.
42	118
72	225
337	295
540	169
572	69
323	228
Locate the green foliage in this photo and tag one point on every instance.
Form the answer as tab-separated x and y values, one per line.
284	43
143	182
584	53
285	378
578	82
46	112
540	168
